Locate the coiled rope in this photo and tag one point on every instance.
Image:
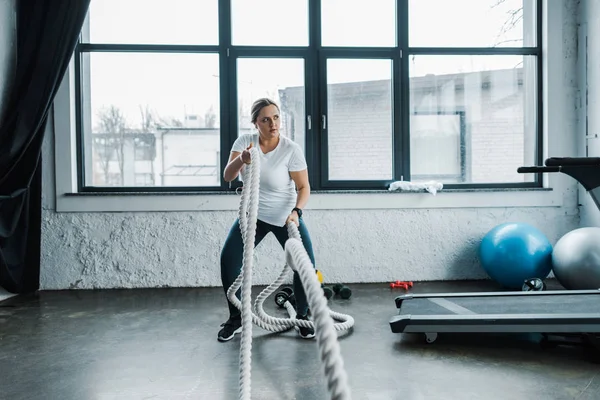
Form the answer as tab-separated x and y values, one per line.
297	260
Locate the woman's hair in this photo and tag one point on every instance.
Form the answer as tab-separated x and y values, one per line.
259	105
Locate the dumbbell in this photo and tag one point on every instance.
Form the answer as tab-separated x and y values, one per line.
534	285
343	290
285	294
401	285
328	292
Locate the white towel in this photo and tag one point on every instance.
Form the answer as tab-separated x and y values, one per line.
431	186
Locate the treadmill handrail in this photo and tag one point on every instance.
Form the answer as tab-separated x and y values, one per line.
586	174
573	161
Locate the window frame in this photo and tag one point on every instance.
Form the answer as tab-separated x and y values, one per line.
378	53
262	52
315	57
451	51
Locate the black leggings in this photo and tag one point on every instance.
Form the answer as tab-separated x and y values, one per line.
233	252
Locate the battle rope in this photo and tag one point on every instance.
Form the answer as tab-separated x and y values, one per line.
297	259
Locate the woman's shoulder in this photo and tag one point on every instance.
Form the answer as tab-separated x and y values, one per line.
247	136
290	144
244	139
242	142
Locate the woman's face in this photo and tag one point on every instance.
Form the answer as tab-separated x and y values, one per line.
268	122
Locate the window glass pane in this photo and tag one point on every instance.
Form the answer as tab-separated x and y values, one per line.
359	119
358	23
153	22
280	79
472	23
473	118
151	119
269	22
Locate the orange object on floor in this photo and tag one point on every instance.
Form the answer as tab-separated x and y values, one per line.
401	285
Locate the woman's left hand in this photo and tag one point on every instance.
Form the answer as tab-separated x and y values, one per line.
293	217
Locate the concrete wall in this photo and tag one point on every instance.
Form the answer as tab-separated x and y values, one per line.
158	249
588	132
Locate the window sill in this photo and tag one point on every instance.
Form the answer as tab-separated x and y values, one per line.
320	200
314	192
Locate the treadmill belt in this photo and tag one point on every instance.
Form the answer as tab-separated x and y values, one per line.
563	304
576	311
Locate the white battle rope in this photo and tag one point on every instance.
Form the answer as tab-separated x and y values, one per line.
298	260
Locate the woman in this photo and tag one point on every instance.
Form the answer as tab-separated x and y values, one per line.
284	191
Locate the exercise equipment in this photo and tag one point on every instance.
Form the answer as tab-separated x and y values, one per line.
533	285
297	260
585	170
512	252
571	315
401	285
558	312
576	259
342	290
286	294
328	292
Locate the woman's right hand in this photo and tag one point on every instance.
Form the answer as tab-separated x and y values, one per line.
246	156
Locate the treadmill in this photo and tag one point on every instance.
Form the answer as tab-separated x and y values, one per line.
558	315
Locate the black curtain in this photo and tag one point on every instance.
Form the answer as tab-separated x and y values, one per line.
47	32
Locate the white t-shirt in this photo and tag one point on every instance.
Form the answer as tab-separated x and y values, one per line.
277	194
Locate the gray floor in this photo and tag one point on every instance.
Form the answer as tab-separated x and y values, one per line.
5	295
161	344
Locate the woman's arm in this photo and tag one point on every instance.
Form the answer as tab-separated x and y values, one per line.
234	166
236	162
300	178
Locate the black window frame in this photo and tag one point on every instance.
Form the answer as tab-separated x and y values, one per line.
315	57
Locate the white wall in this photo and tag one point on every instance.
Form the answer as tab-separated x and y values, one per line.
589	92
374	238
8	26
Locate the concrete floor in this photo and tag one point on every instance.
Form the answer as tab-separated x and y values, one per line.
161	344
5	295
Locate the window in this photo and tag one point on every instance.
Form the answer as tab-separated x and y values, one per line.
473	23
269	22
359	120
135	100
373	92
498	118
358	23
153	22
443	135
473	98
281	79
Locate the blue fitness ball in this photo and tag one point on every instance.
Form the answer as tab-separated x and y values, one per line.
510	253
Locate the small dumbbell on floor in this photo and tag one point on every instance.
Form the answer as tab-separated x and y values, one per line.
327	291
342	290
401	285
285	294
